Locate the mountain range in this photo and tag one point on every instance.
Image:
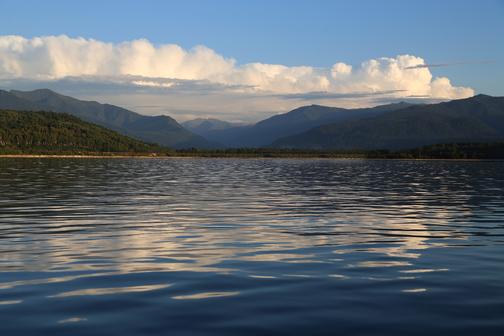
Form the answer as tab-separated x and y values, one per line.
393	126
205	127
302	119
162	130
476	119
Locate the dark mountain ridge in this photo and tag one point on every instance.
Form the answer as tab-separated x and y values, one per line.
476	119
296	121
162	130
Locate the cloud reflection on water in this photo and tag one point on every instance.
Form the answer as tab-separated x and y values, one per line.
218	216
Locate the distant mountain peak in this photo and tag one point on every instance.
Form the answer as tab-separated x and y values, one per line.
204	126
36	92
482	96
45	90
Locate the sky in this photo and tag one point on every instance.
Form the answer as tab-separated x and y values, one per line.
246	60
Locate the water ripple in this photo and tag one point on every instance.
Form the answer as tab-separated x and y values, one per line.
290	246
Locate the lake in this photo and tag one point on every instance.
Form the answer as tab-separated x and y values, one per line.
251	247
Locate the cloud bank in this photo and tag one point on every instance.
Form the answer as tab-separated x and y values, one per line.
170	68
56	57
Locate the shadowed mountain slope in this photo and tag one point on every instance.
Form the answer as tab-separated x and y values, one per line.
476	119
296	121
162	130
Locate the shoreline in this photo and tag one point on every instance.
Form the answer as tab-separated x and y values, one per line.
84	156
63	156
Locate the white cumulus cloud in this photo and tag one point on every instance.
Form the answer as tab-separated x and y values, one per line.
340	70
57	57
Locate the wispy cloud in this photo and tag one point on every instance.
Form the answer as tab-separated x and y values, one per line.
328	95
442	65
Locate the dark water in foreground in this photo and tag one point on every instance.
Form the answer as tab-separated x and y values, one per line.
218	246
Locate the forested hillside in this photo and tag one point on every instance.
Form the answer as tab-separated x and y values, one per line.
32	132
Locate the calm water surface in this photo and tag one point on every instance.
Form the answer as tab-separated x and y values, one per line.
218	246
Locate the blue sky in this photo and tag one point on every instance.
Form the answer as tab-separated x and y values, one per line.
291	33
